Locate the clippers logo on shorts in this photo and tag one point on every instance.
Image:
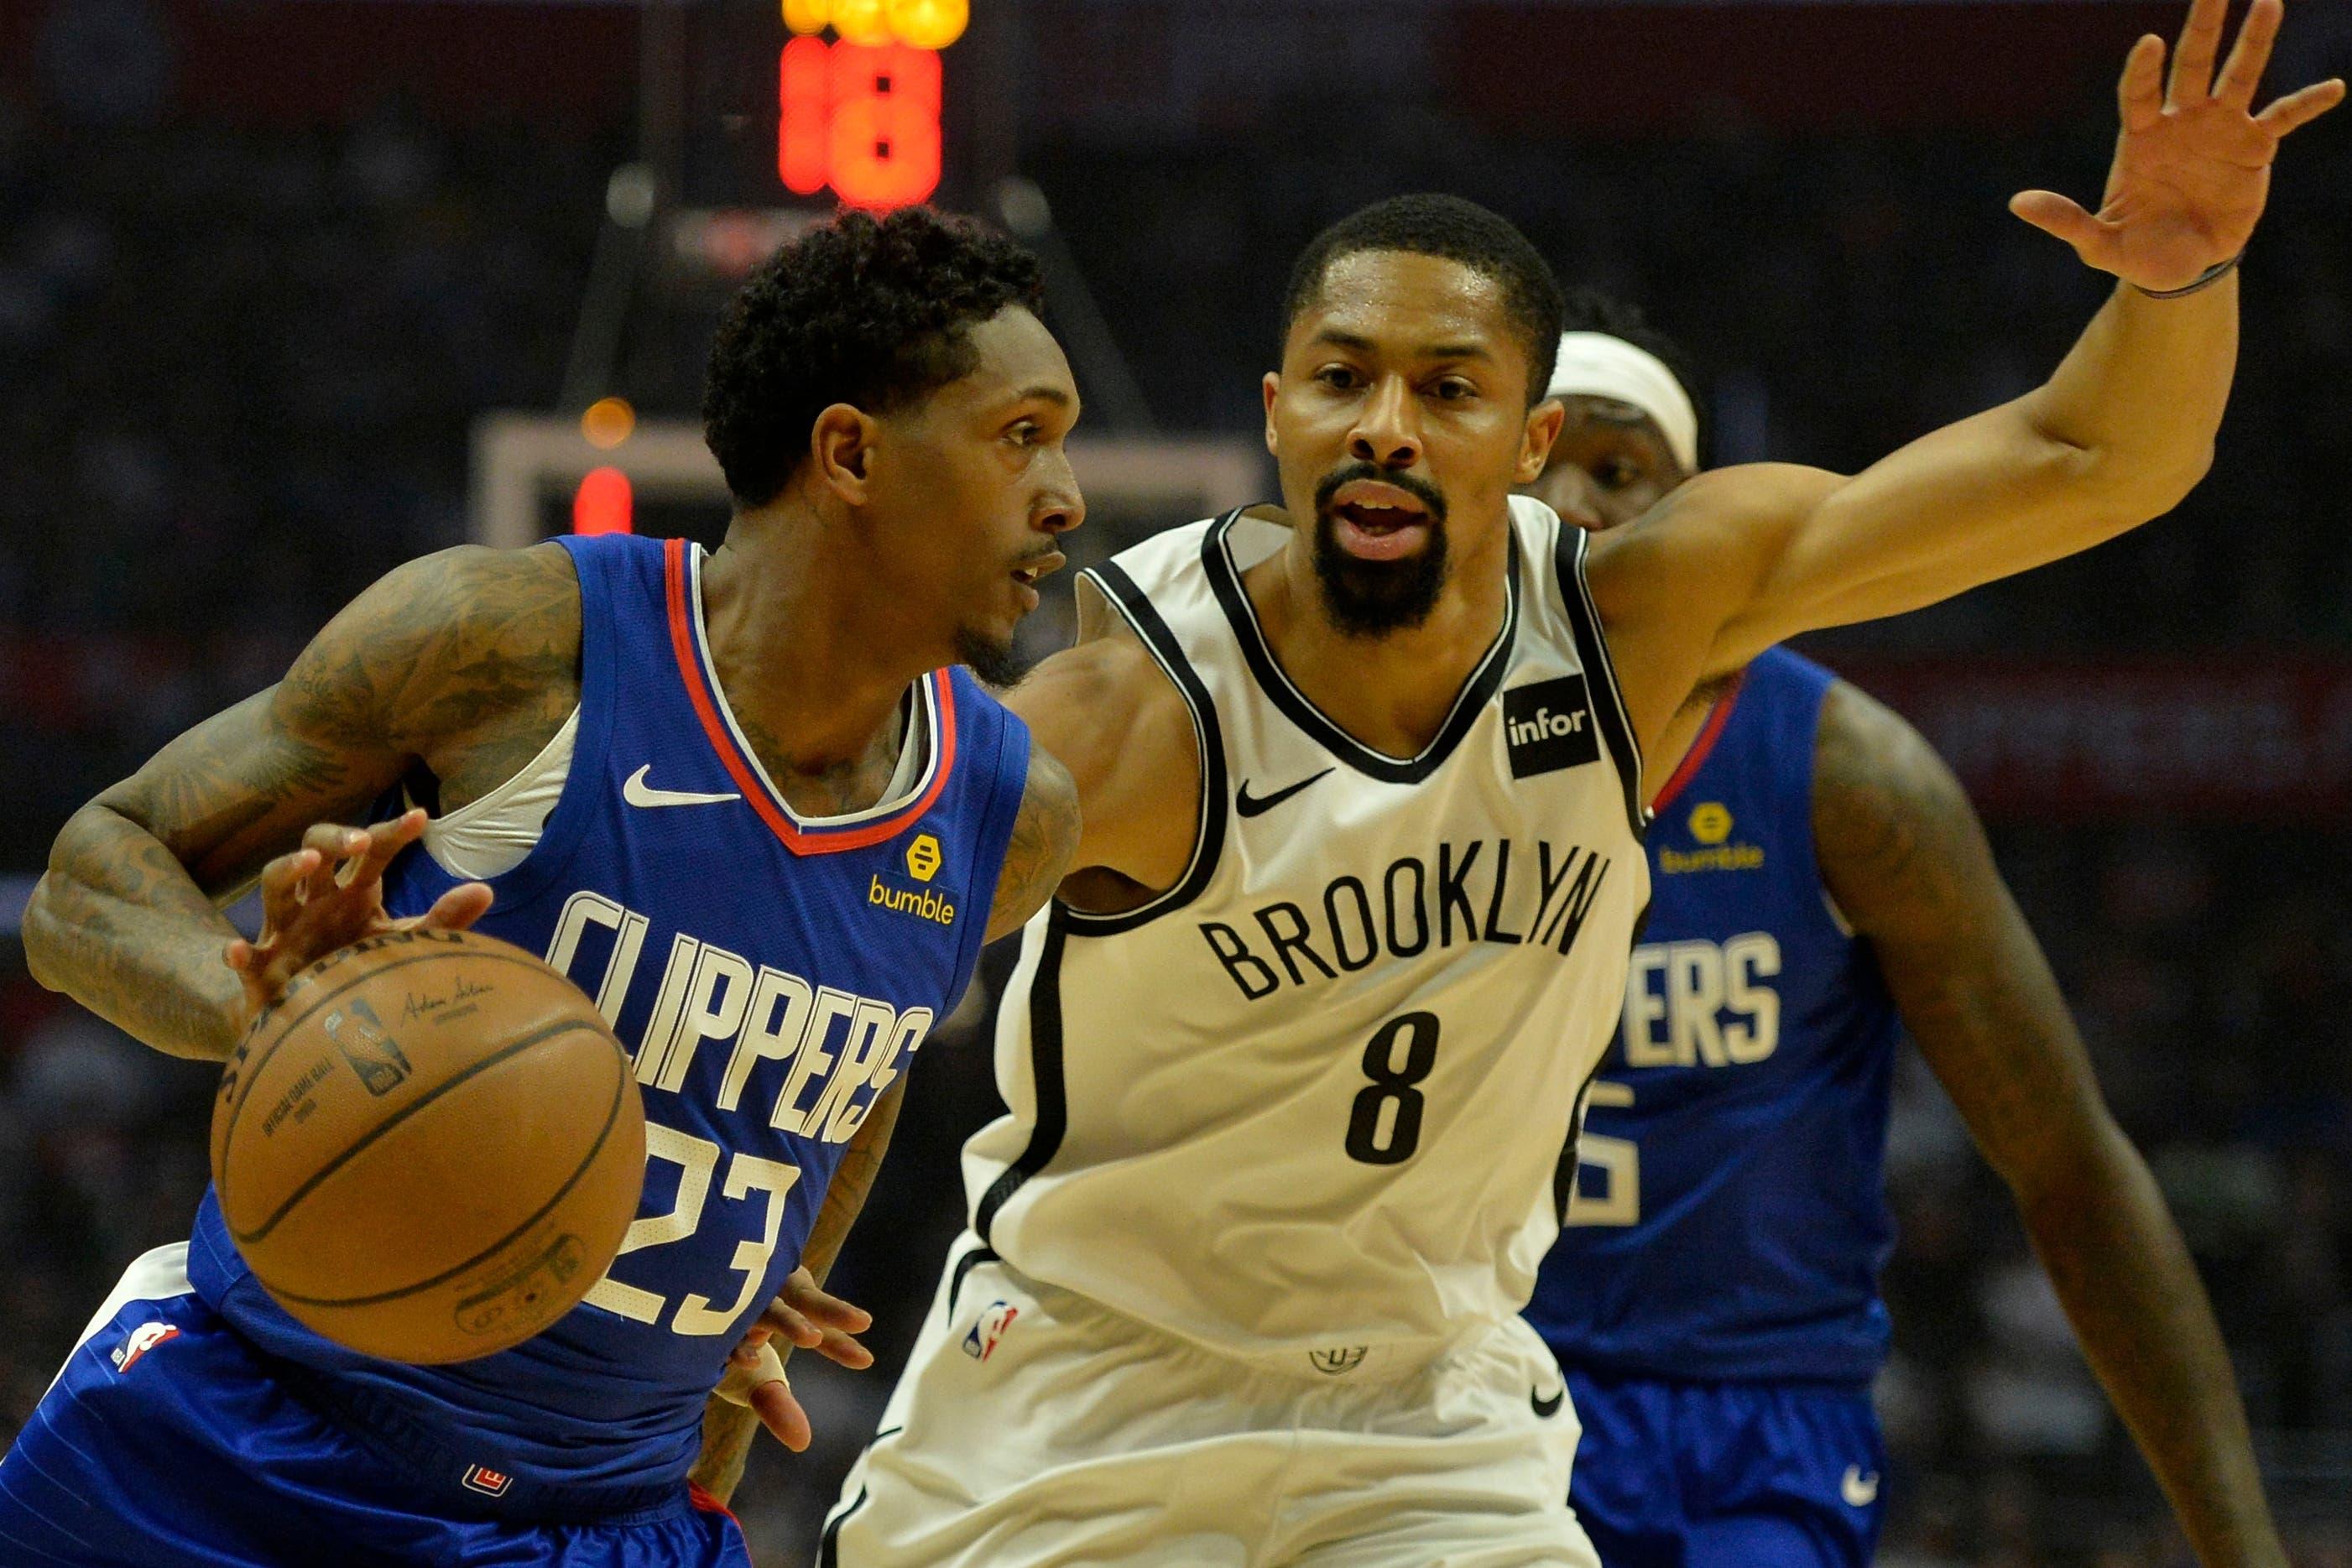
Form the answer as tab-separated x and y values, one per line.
1548	726
359	1034
981	1343
1335	1363
488	1481
138	1342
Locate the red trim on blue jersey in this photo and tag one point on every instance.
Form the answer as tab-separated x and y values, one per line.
706	1503
1695	758
800	840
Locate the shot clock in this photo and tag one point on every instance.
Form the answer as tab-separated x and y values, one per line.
859	112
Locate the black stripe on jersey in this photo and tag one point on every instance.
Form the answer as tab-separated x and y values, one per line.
1045	1072
1225	579
1592	653
1209	842
828	1554
965	1265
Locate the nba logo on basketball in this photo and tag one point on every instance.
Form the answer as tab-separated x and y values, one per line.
981	1343
488	1481
359	1034
138	1342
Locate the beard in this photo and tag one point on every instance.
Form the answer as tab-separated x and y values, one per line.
999	663
1373	598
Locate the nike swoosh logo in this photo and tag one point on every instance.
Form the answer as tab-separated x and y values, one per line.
1546	1409
1858	1489
1250	806
637	792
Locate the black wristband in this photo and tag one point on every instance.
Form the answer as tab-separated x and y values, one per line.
2205	280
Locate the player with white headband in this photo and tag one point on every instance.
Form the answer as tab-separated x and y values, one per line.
1819	885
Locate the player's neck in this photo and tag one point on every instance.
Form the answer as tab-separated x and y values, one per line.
801	651
1391	692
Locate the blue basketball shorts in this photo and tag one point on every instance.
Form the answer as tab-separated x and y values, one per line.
164	1443
1726	1475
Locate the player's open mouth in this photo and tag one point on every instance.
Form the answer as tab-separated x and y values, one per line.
1379	522
1027	575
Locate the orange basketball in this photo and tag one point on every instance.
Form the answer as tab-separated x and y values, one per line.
429	1149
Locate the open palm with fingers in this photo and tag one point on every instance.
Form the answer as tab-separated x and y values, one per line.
2192	165
328	894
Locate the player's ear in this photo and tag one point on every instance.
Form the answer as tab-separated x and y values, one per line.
1273	387
1542	429
841	450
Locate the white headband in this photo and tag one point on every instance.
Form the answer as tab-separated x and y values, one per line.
1595	364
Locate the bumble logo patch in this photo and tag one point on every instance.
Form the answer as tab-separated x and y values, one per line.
923	858
1710	825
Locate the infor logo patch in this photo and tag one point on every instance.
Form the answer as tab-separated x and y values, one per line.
1548	726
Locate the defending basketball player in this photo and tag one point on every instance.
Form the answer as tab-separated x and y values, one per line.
743	801
1819	883
1292	1059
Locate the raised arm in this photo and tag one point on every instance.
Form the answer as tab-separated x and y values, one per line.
1903	854
1743	557
457	660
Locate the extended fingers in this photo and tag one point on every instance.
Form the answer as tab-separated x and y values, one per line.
2297	110
2251	55
782	1414
383	842
285	884
2201	43
815	1302
843	1350
2062	217
456	909
2139	96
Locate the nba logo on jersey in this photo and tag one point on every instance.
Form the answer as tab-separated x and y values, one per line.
359	1034
488	1481
1548	726
138	1342
981	1343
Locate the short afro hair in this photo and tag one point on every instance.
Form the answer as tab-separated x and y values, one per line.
1593	310
874	313
1458	231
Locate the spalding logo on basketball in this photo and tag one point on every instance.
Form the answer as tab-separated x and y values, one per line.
430	1149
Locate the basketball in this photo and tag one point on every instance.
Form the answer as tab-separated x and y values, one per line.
430	1148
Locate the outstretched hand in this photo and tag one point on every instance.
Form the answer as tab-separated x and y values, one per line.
2193	166
328	894
811	1320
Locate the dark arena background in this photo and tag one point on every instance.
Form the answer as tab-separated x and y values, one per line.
292	291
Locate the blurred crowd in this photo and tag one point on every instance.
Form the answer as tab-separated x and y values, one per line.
237	370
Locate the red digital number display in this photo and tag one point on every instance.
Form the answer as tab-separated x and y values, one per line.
862	118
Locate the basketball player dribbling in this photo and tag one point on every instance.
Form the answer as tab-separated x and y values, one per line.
1819	884
741	800
1293	1062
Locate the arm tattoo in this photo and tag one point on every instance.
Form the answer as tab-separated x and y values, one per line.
464	661
1904	854
1045	841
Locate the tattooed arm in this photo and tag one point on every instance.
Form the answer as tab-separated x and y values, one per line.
464	662
1045	838
804	1316
1904	854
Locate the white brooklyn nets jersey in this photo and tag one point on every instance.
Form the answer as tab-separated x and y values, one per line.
1318	1098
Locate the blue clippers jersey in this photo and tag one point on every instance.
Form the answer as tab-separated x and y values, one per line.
772	978
1731	1217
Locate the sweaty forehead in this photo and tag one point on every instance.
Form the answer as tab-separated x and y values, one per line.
1609	415
1405	302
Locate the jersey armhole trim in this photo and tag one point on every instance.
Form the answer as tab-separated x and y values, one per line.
1046	1087
1209	839
1592	651
1709	734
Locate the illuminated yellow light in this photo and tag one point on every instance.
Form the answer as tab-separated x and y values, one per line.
930	23
807	17
608	422
862	21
